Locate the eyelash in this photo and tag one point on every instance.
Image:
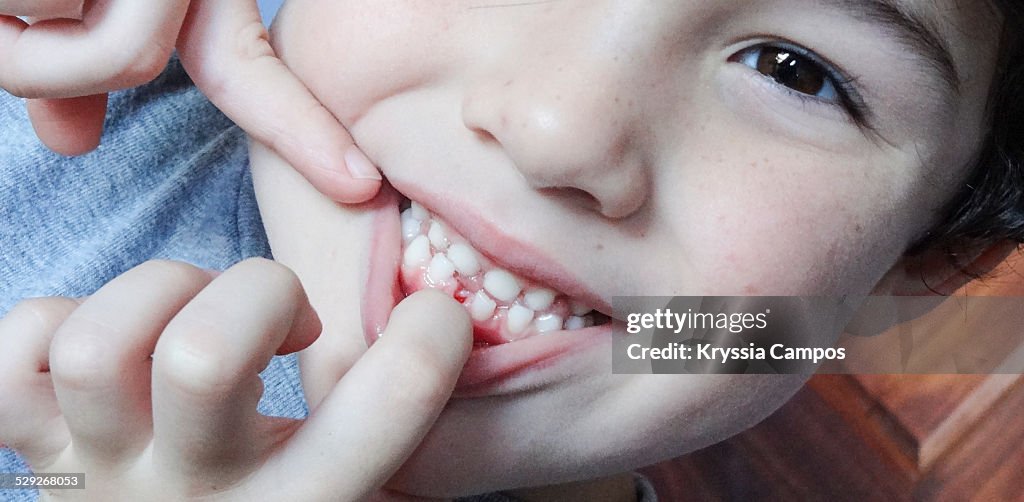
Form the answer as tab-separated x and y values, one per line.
844	85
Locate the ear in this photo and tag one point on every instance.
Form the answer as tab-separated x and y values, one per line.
932	273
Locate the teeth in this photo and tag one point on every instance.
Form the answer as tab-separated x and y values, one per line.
437	236
576	322
481	307
549	322
499	285
440	269
578	309
539	298
464	259
519	318
419	212
410	225
418	251
502	285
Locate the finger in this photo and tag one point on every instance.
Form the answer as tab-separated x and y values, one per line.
30	420
206	367
119	44
44	9
100	358
385	404
225	49
70	126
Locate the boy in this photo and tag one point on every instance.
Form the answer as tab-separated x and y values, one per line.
625	148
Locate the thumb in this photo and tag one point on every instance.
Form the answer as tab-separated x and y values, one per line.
225	48
384	406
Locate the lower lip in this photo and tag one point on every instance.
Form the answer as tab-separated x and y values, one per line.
527	363
490	367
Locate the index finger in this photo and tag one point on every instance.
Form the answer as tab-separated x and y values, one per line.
118	44
384	406
224	47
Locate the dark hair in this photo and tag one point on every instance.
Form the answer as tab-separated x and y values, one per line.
989	206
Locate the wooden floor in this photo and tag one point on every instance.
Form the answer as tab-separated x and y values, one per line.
810	450
873	437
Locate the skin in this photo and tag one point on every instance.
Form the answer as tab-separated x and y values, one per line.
71	53
625	142
152	391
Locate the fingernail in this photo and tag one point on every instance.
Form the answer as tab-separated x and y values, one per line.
359	166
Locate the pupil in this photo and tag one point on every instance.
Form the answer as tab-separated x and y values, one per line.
791	70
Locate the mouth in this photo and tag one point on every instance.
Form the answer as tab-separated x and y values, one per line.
503	305
520	319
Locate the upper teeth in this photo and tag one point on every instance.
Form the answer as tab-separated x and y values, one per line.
539	298
410	225
464	259
417	252
441	268
578	308
502	285
437	237
418	211
439	255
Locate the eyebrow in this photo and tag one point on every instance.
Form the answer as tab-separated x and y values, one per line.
910	30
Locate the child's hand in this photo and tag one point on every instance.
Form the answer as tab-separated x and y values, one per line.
79	392
69	67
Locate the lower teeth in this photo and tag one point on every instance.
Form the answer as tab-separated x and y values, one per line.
549	322
444	261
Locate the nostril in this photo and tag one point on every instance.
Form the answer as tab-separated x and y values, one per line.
573	196
484	136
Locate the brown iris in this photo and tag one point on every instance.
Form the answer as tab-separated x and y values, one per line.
791	70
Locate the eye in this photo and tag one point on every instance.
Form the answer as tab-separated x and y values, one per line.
808	76
794	70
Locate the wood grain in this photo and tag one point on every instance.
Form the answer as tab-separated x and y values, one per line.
880	437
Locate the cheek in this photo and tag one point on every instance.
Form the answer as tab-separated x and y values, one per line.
355	53
794	254
778	223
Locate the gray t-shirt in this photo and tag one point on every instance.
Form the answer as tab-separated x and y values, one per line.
170	181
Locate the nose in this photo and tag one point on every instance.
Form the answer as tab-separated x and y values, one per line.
569	125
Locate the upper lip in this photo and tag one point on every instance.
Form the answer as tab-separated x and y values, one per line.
505	250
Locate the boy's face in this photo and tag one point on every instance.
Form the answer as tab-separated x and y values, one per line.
620	147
